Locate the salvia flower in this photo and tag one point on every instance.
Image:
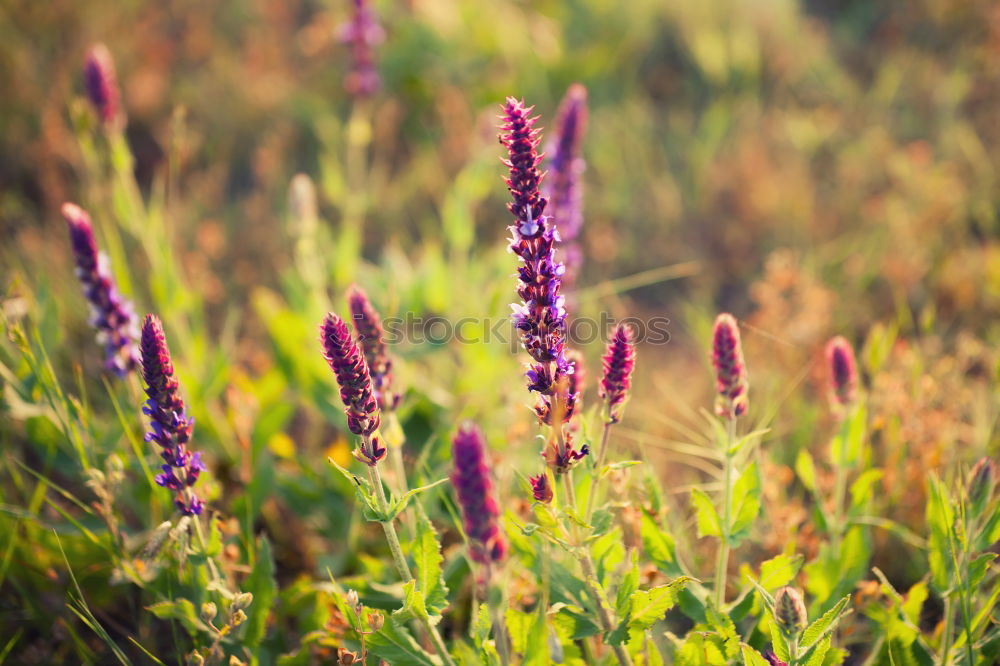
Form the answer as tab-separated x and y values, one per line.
170	426
101	84
363	33
564	189
541	488
561	454
371	336
540	317
618	362
349	365
843	371
730	370
474	487
110	314
773	660
790	610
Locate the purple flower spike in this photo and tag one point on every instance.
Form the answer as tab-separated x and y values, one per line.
730	370
363	33
618	363
351	370
170	426
541	488
541	316
471	478
101	83
110	314
368	325
843	371
564	188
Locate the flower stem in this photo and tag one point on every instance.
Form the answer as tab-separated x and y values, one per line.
400	560
722	564
949	618
602	453
590	576
494	599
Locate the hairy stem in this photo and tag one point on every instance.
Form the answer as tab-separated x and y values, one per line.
949	618
590	576
602	453
400	560
722	562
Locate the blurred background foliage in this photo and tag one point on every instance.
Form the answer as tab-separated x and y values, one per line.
815	167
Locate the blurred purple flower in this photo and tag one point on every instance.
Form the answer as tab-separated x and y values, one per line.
730	370
618	363
541	316
351	370
371	336
170	426
564	188
110	314
101	83
363	33
476	496
843	371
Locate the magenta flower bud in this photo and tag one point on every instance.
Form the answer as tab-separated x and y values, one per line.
363	33
476	497
368	326
564	188
790	610
773	660
170	426
618	363
110	314
541	488
101	83
730	370
356	391
843	371
982	481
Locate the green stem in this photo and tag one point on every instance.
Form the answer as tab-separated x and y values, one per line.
590	576
948	628
722	562
401	566
602	453
839	491
494	599
199	535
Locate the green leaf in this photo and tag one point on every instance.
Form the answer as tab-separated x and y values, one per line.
846	447
861	489
701	649
401	503
628	586
779	570
413	604
573	621
778	641
751	657
724	627
428	560
601	521
649	606
708	519
746	439
537	651
806	469
825	624
659	546
181	610
395	644
263	586
745	503
816	655
369	505
940	519
978	568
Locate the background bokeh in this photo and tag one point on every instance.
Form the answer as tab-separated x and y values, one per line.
815	167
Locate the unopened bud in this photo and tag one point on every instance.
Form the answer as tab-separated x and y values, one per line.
345	657
790	610
239	617
208	611
353	601
982	480
242	600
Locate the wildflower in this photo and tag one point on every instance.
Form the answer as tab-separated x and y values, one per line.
368	325
110	314
101	84
565	191
773	660
363	33
843	371
981	482
541	316
730	370
541	488
170	425
471	478
618	363
351	370
790	610
561	455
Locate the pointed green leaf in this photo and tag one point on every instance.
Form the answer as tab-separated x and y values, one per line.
825	624
649	606
403	501
806	469
751	657
395	644
428	560
264	588
745	503
413	604
708	519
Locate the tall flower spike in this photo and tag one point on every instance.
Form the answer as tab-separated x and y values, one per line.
730	370
110	314
351	370
843	371
101	83
363	33
371	336
618	363
540	318
170	426
564	187
474	487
